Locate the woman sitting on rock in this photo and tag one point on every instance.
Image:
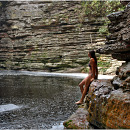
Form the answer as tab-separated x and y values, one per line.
93	74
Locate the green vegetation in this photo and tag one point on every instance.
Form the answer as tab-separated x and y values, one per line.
103	30
97	8
103	65
70	125
85	70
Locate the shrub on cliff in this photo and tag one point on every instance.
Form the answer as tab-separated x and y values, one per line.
101	8
95	8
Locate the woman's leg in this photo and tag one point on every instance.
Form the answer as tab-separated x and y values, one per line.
87	83
82	83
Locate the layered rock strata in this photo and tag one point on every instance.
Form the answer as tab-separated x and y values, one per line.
118	42
48	36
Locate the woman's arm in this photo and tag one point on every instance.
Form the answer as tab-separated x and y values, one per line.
92	63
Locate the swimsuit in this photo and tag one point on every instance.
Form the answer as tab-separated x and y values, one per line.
89	65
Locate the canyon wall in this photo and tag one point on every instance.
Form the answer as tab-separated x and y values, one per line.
48	36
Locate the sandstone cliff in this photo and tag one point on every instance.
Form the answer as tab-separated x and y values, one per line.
48	36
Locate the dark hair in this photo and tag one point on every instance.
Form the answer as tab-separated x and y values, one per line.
92	53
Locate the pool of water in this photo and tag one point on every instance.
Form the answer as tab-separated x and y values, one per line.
39	101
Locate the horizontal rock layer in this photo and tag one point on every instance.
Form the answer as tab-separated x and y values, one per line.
49	36
118	42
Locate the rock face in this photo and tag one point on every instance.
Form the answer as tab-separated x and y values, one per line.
118	42
107	107
48	36
78	120
108	101
122	80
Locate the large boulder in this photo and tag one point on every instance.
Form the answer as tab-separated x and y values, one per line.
107	107
78	120
122	80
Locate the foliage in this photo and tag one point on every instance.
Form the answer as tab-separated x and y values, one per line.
103	65
97	8
104	28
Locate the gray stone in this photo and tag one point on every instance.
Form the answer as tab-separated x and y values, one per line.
78	120
48	33
118	42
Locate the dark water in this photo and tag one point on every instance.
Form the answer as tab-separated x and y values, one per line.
45	101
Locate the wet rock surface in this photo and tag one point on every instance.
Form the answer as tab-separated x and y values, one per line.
78	120
115	112
111	110
107	107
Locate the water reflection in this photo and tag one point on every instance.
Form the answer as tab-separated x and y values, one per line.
46	101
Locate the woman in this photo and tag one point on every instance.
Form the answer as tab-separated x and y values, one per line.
93	74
